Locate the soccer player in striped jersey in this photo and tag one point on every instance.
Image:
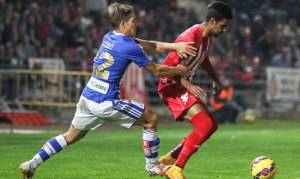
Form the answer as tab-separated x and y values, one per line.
100	100
182	97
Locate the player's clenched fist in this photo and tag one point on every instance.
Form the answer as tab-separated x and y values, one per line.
182	70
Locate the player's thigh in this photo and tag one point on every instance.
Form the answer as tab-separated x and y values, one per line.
84	118
193	110
149	118
123	112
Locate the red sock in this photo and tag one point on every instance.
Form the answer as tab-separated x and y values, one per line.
215	125
205	126
175	152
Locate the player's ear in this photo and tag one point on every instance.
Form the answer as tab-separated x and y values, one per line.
212	21
122	24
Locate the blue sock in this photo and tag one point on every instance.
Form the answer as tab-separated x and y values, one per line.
51	147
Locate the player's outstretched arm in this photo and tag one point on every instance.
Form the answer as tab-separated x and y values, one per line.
183	48
166	71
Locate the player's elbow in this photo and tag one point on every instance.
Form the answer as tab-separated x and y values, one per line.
156	70
156	73
160	71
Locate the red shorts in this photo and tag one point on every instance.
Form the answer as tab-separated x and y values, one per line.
178	100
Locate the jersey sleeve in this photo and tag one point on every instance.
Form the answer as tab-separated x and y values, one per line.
172	59
206	63
136	54
136	40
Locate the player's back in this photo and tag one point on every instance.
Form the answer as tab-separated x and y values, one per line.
110	62
115	54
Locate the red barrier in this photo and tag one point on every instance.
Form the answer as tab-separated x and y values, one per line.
26	118
133	84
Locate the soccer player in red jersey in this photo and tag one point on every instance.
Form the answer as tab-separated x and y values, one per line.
182	97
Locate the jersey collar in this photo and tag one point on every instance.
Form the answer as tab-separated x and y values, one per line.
116	33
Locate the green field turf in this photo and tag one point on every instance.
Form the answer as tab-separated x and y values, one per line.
118	153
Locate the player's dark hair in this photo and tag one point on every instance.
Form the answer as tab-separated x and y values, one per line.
117	12
218	10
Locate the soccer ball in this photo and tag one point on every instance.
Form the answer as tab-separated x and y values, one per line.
249	116
263	168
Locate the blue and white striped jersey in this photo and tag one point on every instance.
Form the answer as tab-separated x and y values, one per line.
115	54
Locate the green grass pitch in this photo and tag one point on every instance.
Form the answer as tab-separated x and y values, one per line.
118	153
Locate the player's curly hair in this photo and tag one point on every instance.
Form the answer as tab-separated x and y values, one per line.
117	12
218	10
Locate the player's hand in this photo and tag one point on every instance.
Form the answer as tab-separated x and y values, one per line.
184	49
196	91
217	88
182	70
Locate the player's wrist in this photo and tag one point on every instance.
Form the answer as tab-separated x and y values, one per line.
177	71
174	46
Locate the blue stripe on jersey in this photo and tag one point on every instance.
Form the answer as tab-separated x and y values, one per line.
153	155
43	154
55	145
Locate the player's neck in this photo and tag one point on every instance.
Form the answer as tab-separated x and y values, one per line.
205	30
118	32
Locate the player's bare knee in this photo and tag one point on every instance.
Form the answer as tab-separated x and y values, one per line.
154	119
152	122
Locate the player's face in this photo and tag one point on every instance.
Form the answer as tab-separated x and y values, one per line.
130	26
219	27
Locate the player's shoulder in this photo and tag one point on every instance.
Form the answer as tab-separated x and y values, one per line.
119	43
193	29
189	33
118	38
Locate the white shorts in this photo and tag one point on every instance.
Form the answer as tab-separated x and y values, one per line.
89	114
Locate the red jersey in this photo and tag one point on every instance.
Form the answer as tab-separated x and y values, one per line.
173	94
193	34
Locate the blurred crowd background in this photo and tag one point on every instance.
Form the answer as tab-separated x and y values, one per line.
261	34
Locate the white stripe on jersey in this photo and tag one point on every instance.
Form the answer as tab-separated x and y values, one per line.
195	62
197	58
199	62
